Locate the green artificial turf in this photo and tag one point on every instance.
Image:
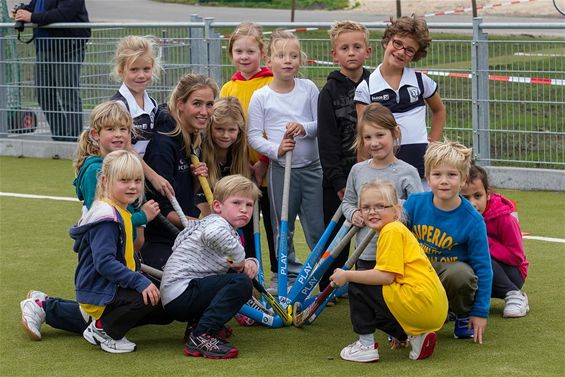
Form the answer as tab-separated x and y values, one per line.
35	253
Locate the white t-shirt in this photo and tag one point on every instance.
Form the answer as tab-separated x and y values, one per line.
407	103
270	112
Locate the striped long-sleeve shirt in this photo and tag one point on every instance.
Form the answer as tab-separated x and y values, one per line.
200	250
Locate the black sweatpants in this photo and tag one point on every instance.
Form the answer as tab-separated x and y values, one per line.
128	311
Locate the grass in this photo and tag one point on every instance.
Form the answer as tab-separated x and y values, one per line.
35	253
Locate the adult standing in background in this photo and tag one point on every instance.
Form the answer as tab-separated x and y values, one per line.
59	56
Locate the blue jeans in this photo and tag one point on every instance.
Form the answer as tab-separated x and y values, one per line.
64	315
211	301
57	77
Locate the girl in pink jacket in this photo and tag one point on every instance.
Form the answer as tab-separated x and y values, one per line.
509	264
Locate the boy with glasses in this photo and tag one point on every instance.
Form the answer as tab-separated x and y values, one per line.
404	91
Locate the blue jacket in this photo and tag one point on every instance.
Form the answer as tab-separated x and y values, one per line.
100	243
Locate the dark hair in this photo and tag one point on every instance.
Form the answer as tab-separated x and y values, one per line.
413	27
477	172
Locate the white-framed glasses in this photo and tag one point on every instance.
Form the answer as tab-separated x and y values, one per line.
409	51
376	208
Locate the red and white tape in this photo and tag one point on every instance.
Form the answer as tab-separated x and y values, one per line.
479	7
295	30
516	79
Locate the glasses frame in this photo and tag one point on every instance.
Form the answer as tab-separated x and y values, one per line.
378	208
408	51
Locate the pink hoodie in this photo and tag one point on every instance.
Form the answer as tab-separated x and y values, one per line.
504	235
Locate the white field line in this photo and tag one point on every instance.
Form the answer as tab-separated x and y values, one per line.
68	199
547	239
29	196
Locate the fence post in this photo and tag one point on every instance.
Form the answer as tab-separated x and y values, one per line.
214	50
198	49
480	94
3	89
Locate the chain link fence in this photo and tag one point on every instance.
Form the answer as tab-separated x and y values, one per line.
505	95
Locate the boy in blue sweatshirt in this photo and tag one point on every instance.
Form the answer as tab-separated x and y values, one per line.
453	235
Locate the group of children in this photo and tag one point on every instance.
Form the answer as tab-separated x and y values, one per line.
360	144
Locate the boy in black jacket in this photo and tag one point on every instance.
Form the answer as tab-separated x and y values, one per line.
337	118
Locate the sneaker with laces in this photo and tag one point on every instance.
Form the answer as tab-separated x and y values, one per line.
96	336
33	316
209	346
462	328
360	353
225	332
422	345
37	295
516	305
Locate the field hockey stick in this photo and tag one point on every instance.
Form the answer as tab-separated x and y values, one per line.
323	266
273	321
300	316
314	256
257	243
283	234
203	181
152	271
278	309
178	209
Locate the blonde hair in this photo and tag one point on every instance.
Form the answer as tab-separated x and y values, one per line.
118	165
235	184
347	26
279	35
378	115
227	110
448	153
109	113
134	47
387	190
247	29
187	85
412	27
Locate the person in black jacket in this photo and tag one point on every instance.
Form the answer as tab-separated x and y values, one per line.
337	119
59	56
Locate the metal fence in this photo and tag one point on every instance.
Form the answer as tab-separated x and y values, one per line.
504	95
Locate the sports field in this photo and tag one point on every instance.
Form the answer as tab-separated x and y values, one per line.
35	253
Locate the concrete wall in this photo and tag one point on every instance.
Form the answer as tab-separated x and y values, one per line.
502	177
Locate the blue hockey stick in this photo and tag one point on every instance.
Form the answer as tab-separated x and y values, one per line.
323	266
311	312
314	257
282	278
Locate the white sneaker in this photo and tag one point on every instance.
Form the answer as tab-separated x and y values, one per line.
96	336
516	305
360	353
33	316
422	345
37	295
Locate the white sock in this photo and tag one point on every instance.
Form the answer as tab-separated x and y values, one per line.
367	339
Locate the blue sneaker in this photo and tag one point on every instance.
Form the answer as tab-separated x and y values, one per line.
462	328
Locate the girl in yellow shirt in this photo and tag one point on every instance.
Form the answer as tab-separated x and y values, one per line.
402	295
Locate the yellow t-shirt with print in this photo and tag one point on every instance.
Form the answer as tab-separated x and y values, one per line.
416	297
96	311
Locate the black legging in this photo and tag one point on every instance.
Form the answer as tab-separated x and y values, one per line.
505	278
